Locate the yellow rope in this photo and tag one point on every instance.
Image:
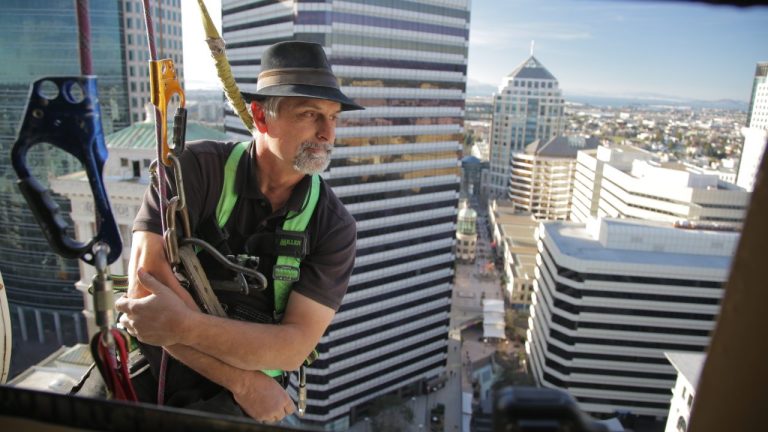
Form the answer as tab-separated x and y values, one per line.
218	52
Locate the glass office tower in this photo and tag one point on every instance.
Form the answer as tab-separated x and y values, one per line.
40	38
395	167
528	106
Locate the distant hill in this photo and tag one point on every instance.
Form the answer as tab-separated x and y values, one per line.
475	89
658	100
480	89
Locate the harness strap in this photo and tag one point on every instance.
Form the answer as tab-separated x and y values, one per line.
286	270
228	197
291	237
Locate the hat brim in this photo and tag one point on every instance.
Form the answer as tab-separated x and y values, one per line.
301	90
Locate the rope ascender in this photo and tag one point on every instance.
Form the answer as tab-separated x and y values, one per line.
69	118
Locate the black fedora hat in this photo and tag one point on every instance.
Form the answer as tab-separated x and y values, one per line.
295	68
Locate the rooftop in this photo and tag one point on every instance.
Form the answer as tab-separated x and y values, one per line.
635	242
142	135
562	146
688	364
531	68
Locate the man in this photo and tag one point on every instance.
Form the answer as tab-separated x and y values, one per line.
295	108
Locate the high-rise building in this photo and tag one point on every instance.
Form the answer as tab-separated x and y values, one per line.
611	297
41	39
528	107
757	116
395	167
166	17
541	181
756	131
688	366
625	182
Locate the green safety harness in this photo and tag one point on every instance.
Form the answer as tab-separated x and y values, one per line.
291	239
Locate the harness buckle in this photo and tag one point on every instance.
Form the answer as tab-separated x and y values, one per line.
286	273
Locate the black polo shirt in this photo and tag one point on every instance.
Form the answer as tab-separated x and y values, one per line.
332	232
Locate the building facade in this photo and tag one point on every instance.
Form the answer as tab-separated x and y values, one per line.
166	17
513	235
466	234
541	181
688	367
528	106
757	116
756	131
395	167
42	40
611	297
625	182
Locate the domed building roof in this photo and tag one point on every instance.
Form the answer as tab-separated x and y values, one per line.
467	213
467	220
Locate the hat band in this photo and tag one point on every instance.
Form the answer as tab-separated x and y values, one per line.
303	76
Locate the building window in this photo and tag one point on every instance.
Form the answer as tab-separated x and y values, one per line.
681	424
690	401
123	162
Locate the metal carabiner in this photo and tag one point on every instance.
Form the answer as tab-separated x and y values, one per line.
164	84
170	236
71	121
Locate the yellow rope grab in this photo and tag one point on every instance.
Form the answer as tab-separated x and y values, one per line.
218	52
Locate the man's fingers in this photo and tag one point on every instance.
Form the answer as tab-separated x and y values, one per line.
123	304
149	282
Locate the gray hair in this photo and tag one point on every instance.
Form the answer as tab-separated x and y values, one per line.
271	105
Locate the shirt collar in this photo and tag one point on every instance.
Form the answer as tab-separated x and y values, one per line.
248	181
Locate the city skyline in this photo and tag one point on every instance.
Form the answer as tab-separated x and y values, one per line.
585	45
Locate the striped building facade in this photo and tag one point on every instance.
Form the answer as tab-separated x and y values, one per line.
611	297
396	168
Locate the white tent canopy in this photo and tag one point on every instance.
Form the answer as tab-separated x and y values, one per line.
493	319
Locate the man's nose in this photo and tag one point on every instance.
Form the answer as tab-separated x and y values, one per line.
326	128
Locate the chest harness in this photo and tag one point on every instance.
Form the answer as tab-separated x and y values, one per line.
290	241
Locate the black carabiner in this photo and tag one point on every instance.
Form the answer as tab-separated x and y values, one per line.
71	121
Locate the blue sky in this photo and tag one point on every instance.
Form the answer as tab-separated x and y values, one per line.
596	47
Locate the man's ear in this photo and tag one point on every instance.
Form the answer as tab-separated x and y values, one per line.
259	117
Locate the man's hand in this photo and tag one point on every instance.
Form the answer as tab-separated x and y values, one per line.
262	398
157	319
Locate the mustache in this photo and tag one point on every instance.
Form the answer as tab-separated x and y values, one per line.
316	145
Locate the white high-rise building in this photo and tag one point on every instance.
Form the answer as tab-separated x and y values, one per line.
757	117
395	167
528	107
625	182
166	18
541	182
688	366
611	297
756	132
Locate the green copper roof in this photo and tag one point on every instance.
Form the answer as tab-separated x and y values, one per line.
142	135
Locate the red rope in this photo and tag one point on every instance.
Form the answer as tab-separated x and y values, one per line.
84	32
161	179
114	365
